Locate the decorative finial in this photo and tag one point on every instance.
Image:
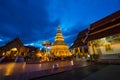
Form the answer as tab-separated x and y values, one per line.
59	27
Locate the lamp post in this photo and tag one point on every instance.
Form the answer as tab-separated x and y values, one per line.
47	44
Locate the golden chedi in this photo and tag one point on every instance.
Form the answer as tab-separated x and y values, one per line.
59	48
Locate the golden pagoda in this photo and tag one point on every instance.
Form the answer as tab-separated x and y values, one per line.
59	48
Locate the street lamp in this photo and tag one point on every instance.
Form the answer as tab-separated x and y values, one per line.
47	44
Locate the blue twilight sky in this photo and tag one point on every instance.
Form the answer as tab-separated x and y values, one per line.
35	21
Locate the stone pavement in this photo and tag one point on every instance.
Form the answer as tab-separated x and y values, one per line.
40	73
111	72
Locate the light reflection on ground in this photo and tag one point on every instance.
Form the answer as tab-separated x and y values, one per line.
7	69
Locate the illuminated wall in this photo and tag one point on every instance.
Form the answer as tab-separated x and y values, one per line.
106	45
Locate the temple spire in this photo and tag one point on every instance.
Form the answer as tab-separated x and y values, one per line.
59	36
59	48
58	27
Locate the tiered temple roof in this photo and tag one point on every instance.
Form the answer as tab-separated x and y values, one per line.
81	39
107	26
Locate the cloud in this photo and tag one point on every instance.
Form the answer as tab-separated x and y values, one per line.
26	19
1	40
34	21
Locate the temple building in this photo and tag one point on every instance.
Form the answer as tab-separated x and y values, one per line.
79	47
104	38
59	49
100	41
12	50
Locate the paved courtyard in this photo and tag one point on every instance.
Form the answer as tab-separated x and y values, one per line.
25	71
74	74
71	70
91	72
